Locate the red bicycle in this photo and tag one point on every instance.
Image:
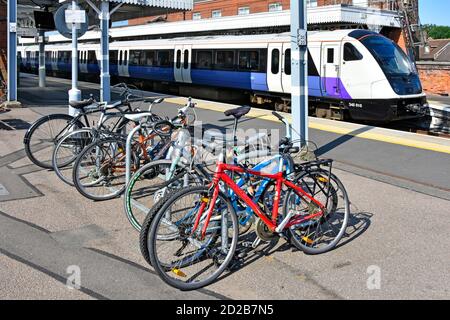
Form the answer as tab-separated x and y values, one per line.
193	237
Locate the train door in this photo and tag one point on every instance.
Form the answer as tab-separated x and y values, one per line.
187	58
274	67
178	65
286	62
182	63
54	60
123	63
330	69
83	61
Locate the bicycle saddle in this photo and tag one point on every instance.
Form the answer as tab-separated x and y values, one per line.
238	112
137	116
81	104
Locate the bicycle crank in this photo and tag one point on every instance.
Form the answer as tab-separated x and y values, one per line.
263	232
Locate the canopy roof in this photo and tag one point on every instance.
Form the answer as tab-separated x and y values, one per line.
129	8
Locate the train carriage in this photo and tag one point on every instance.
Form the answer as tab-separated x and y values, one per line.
354	74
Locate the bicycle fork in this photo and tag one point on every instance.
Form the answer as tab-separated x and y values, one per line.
223	218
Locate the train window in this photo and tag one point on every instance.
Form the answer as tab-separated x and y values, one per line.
287	62
178	59
135	58
204	59
92	59
249	60
120	57
164	58
125	58
186	59
351	53
64	56
148	58
224	60
113	57
330	55
275	61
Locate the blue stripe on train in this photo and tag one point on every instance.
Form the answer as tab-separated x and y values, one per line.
152	73
231	79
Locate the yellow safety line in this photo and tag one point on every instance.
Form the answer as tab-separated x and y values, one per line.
263	115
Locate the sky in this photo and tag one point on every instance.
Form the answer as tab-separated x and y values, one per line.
435	12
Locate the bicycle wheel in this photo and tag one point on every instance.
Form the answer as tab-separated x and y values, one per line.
150	184
99	171
67	150
43	135
180	255
317	231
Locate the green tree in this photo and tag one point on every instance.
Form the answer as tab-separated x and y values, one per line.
438	32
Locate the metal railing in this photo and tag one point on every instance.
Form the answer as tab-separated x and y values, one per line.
380	4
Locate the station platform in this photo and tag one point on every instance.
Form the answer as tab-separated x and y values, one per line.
440	113
398	183
409	160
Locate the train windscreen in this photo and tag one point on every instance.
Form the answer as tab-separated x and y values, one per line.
396	65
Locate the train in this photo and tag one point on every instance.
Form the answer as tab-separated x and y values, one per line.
352	74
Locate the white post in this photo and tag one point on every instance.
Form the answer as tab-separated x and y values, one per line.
41	59
12	51
299	76
74	93
105	89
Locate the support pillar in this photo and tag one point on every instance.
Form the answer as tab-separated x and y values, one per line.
105	90
12	51
299	76
74	93
41	59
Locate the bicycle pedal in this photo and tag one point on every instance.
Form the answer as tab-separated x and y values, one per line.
256	243
240	255
247	244
235	264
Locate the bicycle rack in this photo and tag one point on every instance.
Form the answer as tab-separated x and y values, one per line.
128	155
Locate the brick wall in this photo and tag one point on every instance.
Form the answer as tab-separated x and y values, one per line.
3	33
228	8
435	77
3	25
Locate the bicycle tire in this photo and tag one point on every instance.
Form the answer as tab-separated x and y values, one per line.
301	244
222	263
46	164
143	233
78	163
144	171
59	166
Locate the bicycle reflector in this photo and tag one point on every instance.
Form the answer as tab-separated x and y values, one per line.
322	179
307	240
179	273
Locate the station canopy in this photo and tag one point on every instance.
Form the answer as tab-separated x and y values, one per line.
128	9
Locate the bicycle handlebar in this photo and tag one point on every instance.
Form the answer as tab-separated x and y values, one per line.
277	115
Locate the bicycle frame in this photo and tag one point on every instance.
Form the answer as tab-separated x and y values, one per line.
221	176
277	159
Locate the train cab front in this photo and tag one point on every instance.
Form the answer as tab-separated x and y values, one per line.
398	95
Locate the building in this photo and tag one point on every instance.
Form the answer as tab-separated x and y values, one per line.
206	9
439	50
434	67
3	42
3	22
374	16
